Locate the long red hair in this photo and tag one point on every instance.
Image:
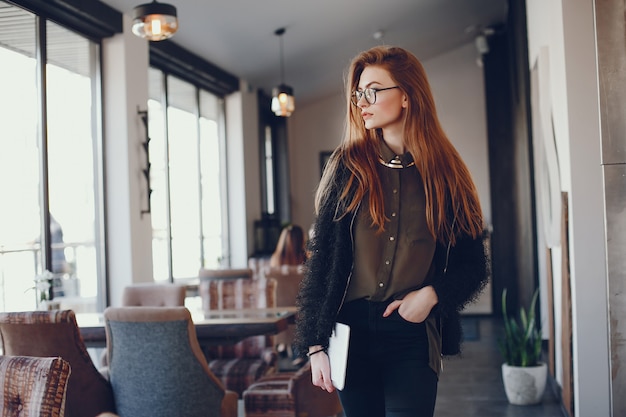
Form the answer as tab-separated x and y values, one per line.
452	205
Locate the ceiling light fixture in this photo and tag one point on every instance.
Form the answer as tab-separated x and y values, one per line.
155	21
283	102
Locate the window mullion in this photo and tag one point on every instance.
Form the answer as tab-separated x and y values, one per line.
42	58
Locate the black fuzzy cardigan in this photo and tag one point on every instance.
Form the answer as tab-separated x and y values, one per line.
461	274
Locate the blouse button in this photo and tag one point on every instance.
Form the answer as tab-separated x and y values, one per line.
392	238
393	214
387	262
380	284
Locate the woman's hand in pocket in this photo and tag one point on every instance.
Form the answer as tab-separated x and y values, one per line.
415	306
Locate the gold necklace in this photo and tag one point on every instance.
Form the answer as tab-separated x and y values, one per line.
395	162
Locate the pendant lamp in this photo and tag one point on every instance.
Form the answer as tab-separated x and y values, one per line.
155	21
283	102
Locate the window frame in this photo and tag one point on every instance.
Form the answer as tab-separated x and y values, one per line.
43	14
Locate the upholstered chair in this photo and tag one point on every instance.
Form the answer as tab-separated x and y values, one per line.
225	273
290	394
154	295
149	295
257	264
288	278
33	387
156	366
55	333
240	364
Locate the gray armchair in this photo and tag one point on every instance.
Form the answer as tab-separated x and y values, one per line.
156	367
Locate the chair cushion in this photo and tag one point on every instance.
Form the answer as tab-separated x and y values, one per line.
237	374
33	386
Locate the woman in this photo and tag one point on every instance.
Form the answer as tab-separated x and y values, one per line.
397	249
290	248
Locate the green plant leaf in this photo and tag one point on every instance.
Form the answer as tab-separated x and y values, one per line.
521	345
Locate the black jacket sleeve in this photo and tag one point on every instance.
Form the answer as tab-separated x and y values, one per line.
326	274
465	276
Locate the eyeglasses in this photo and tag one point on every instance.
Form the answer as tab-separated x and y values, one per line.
369	93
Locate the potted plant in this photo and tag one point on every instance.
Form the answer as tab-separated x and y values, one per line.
523	373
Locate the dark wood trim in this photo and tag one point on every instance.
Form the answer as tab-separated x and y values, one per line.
507	92
176	60
501	152
93	18
567	343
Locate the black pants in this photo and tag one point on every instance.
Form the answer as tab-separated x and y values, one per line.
388	373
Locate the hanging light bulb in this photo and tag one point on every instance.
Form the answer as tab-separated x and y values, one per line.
283	101
155	21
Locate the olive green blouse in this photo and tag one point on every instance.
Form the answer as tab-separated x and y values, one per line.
398	260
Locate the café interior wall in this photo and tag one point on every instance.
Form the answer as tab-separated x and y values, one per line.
459	89
545	30
243	167
610	26
566	29
313	128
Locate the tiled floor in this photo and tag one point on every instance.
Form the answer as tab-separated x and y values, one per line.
471	385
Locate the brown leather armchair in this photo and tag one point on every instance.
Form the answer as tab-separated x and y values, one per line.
55	333
290	394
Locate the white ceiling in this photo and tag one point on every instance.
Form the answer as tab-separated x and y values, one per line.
321	35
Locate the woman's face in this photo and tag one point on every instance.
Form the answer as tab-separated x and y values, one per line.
386	112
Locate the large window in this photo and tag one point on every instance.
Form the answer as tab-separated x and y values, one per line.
188	186
49	173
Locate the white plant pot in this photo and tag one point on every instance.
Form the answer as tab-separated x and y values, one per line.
524	385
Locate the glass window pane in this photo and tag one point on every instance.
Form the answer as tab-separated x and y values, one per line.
184	179
20	225
269	171
72	118
189	215
211	181
158	177
72	133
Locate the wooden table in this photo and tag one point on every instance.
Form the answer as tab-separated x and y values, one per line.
215	327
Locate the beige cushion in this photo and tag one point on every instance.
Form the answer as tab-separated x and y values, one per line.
154	295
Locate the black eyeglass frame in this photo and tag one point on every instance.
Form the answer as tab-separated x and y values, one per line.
356	96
